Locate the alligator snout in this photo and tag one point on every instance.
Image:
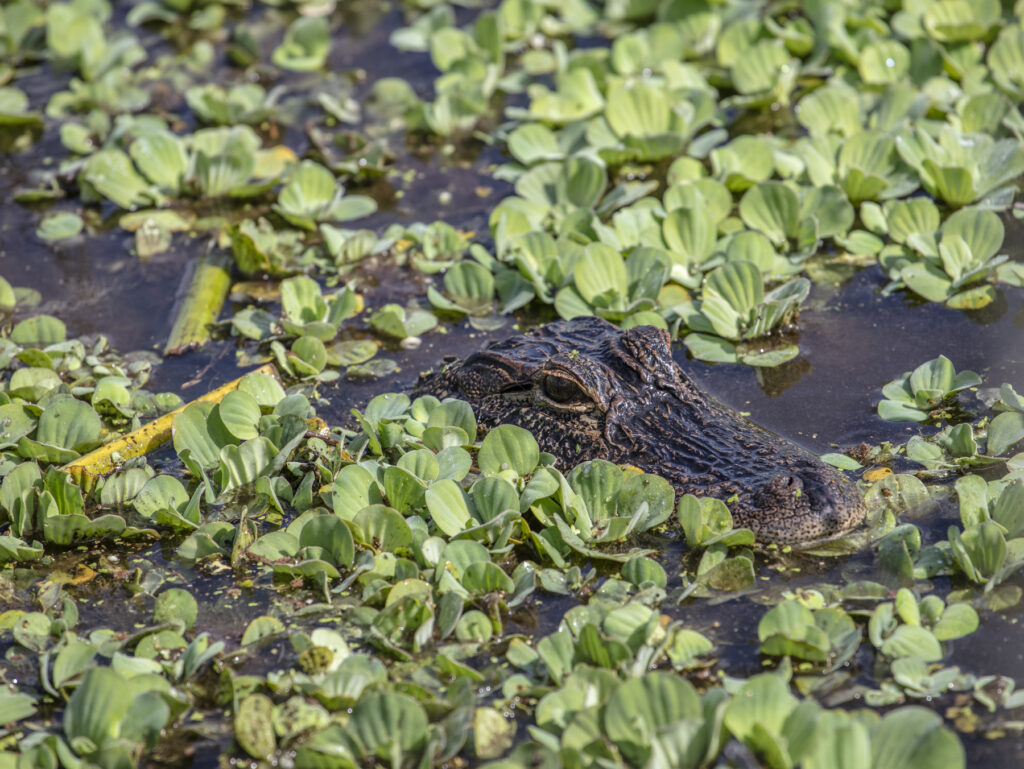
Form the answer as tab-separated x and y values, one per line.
804	507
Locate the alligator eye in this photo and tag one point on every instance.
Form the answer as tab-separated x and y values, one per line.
562	390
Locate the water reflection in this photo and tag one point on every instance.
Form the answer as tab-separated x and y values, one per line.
777	379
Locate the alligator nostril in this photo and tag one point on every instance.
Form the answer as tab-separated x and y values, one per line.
787	484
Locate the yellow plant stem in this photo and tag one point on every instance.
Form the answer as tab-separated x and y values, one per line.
86	469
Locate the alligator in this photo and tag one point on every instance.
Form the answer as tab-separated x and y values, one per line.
587	389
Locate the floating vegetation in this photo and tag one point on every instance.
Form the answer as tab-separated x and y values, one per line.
403	589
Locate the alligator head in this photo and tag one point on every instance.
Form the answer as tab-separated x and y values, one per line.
588	390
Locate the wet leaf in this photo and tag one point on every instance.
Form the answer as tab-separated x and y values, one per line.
508	447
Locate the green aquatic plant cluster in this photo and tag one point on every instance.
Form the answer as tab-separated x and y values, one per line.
894	134
716	151
421	545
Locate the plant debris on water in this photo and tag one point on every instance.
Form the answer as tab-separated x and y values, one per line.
399	588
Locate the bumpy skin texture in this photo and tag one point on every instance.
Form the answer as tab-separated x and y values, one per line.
588	390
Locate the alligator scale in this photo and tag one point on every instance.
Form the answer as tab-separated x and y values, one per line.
588	390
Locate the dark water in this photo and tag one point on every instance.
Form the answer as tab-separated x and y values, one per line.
853	340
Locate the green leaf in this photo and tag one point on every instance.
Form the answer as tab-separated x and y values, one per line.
914	738
926	279
913	222
113	176
162	158
1006	61
883	62
955	21
60	226
508	447
447	505
384	526
69	424
163	492
789	628
177	606
764	701
39	331
240	414
690	234
710	348
956	621
758	68
772	208
191	432
1004	432
14	706
912	641
470	284
981	229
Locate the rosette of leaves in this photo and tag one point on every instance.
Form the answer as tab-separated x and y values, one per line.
468	289
50	507
307	312
825	635
910	632
261	249
744	161
865	165
549	193
306	44
763	72
643	123
708	525
314	319
734	309
76	40
963	169
16	119
212	162
561	197
660	47
953	447
614	503
605	284
991	550
533	143
964	255
111	719
198	15
247	103
471	64
835	108
926	393
950	21
576	97
245	439
398	322
313	195
774	209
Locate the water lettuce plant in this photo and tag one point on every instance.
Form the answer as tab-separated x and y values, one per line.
926	392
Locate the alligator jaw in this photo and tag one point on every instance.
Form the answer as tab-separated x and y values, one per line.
782	492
